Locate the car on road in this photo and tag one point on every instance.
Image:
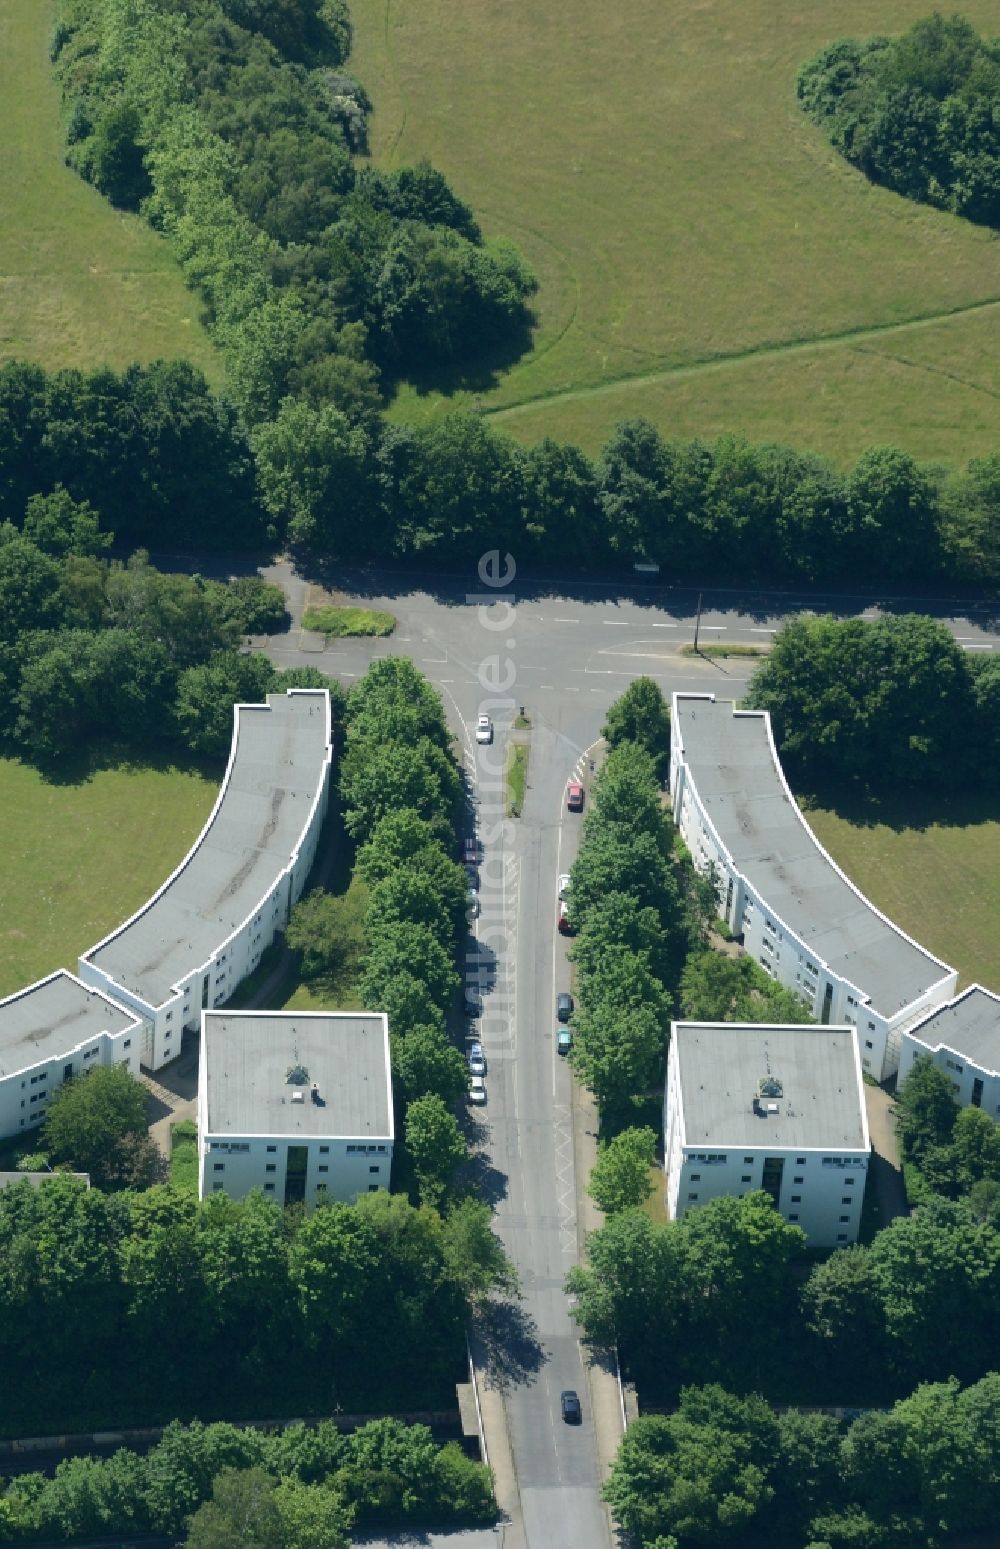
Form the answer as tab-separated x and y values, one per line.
564	1039
574	796
473	1003
477	1060
484	729
569	1403
477	1090
472	902
564	1006
563	922
472	873
564	881
470	851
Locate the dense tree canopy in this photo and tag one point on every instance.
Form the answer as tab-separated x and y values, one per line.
918	113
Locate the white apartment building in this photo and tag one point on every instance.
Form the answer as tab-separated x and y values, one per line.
297	1104
963	1039
750	1106
207	926
51	1030
796	912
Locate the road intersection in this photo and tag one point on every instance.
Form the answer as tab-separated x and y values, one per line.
564	659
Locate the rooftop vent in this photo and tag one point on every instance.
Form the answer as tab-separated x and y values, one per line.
769	1086
297	1075
298	1096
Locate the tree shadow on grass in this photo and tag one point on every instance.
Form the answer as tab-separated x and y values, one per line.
479	373
900	811
78	766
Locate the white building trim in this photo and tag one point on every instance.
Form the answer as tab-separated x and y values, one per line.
773	941
66	1044
213	980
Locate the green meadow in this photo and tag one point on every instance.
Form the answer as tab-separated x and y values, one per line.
79	859
705	257
81	284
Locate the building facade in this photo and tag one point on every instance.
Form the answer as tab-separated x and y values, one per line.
779	891
207	927
295	1104
963	1040
779	1108
54	1029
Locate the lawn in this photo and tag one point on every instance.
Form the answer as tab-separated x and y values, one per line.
517	778
80	283
184	1156
339	622
705	257
933	866
76	860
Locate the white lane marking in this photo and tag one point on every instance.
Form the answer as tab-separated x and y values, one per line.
446	680
348	674
978	648
569	690
663	626
616	623
565	621
435	661
547	685
718	628
762	631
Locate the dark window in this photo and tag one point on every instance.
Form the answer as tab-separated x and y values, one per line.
218	1167
272	1149
793	1218
269	1188
747	1160
848	1183
797	1180
374	1169
977	1093
373	1188
692	1196
695	1177
324	1150
796	1199
127	1044
841	1236
800	1161
324	1167
745	1178
271	1167
216	1188
844	1220
771	1174
847	1200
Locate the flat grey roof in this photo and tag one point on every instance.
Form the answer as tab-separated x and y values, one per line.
52	1017
246	1060
274	777
742	791
970	1025
821	1105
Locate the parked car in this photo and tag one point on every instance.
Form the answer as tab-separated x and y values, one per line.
477	1060
473	1003
569	1403
562	921
564	1005
472	902
563	885
477	1090
574	797
470	851
472	874
484	729
564	1040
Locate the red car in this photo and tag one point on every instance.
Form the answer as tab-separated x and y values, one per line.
574	797
562	921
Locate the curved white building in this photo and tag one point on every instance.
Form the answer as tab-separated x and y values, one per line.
797	913
205	929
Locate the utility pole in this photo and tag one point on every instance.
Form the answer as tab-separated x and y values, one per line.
697	622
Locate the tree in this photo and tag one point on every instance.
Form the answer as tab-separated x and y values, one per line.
716	988
313	1516
408	896
316	477
620	1179
622	1029
474	1254
328	930
117	159
242	1514
618	920
378	776
925	1109
206	697
412	949
92	1119
687	1477
436	1146
424	1063
29	585
60	525
641	715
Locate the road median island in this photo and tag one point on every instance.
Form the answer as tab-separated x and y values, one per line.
517	777
721	650
338	623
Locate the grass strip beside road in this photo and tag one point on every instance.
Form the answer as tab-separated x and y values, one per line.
723	650
339	622
517	778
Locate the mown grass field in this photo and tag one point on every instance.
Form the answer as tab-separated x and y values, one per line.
705	257
80	283
933	866
76	860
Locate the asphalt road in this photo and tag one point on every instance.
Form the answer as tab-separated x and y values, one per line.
565	659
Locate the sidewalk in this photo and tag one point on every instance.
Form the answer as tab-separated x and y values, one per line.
887	1175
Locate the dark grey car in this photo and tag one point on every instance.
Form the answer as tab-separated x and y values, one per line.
564	1006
